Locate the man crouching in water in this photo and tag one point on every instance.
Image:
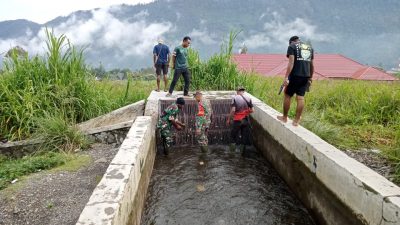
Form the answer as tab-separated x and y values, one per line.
203	121
241	107
168	119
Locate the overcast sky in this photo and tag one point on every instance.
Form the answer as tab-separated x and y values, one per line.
41	11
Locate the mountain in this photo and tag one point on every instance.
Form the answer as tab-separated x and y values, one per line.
123	36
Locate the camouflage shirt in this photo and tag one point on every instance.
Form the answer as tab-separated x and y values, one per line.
169	114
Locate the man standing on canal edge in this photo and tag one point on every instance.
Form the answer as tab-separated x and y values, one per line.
161	57
181	66
203	120
241	107
168	118
298	77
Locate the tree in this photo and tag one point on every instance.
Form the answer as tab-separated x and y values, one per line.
99	71
243	49
18	51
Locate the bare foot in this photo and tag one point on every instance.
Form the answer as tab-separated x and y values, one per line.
295	123
168	95
282	118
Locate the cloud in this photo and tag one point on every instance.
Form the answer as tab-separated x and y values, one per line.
203	36
42	11
278	32
102	31
141	14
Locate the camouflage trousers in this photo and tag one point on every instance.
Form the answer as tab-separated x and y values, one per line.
201	130
166	137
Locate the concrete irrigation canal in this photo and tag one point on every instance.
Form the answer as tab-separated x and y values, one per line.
290	176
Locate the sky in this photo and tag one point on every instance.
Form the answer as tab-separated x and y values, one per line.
42	11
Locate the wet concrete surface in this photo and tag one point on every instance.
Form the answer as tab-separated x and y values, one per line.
219	187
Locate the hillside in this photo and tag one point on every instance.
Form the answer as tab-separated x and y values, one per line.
123	36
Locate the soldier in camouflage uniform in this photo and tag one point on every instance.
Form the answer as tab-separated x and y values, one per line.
168	119
203	120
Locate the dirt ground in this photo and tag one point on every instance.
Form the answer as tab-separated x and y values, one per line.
375	161
55	197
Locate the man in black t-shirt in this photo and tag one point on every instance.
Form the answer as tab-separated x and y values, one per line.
298	76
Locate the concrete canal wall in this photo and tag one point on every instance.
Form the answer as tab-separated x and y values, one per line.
334	187
119	197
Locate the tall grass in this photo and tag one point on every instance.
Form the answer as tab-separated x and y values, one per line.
348	114
218	72
57	84
60	134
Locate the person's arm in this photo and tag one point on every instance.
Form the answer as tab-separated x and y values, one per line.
180	123
154	56
231	114
251	110
154	60
169	56
289	69
176	123
173	61
174	58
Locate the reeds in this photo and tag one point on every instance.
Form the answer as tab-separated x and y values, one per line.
218	72
58	84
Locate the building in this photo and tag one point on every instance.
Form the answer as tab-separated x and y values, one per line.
326	66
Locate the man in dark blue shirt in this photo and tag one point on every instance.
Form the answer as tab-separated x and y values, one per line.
298	76
161	58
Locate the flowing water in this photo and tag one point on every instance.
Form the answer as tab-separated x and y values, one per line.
220	187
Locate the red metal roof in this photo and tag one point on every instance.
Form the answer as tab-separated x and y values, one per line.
326	66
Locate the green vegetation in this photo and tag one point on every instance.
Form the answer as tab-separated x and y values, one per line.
58	85
44	97
123	74
348	114
219	72
74	163
70	139
11	169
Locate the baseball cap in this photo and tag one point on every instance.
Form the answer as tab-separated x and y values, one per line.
293	38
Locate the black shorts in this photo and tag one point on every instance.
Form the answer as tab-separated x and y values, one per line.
163	67
297	85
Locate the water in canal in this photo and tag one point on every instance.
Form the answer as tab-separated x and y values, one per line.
220	187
